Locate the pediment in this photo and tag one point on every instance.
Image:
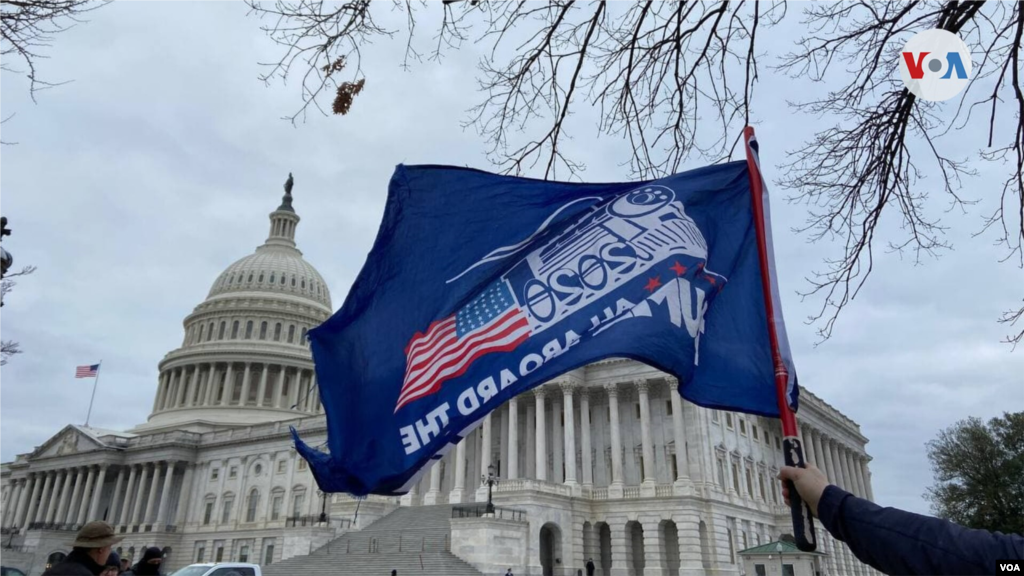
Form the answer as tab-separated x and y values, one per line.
68	441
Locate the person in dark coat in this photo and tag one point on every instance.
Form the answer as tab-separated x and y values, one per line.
149	564
89	552
590	567
112	567
897	542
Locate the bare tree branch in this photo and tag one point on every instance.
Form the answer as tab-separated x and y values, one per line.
675	78
27	29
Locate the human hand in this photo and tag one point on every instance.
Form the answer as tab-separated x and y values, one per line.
810	484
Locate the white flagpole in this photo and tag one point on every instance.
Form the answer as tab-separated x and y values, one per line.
94	383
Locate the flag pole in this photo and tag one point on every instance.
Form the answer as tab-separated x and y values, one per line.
95	381
792	447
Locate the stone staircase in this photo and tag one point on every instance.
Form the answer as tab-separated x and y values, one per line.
412	540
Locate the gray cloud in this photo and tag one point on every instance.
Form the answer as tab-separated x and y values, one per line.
135	185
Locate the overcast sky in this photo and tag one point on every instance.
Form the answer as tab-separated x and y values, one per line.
134	186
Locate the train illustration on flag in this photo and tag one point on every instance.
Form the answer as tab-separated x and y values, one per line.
616	242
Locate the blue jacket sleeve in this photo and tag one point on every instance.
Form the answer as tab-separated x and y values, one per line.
898	542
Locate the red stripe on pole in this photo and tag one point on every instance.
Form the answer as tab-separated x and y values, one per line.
757	202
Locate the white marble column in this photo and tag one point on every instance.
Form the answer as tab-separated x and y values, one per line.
245	384
127	514
458	492
585	445
186	492
138	506
819	454
261	392
865	477
65	493
116	499
569	435
513	439
435	484
229	385
830	468
211	383
69	514
486	451
158	397
94	505
557	442
44	501
150	510
279	390
540	435
37	490
854	473
643	387
24	495
182	386
11	509
83	507
165	497
530	460
615	490
293	392
805	439
682	465
841	478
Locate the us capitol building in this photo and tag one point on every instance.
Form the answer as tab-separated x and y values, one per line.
606	462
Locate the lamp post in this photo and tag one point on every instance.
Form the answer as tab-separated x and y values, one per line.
490	479
782	567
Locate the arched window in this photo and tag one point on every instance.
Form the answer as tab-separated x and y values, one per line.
272	277
303	283
208	503
263	330
209	331
220	334
291	334
240	277
277	332
298	501
250	277
254	502
282	279
199	338
229	502
261	277
276	504
234	330
232	279
293	281
248	330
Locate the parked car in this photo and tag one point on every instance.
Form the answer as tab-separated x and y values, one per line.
220	569
5	571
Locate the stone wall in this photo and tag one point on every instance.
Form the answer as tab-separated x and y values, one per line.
491	545
302	541
13	558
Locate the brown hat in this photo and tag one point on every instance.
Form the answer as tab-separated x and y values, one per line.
96	535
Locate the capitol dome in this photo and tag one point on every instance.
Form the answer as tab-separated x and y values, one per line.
245	358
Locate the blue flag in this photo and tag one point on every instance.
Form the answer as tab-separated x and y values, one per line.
480	287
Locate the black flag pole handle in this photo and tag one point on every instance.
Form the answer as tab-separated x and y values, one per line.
803	521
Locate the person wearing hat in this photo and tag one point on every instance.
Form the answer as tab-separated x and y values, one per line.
89	551
112	567
149	564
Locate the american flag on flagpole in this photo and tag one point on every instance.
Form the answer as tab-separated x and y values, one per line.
87	371
491	322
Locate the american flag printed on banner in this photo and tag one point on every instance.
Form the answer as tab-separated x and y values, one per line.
87	371
491	322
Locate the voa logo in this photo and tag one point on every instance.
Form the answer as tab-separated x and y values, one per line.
935	65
